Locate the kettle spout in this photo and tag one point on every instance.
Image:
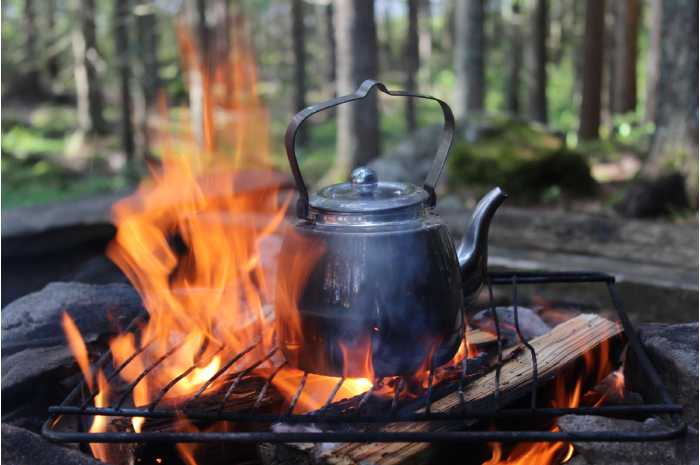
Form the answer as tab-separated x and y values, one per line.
473	251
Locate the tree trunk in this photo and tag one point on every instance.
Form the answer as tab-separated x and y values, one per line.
470	50
330	48
514	58
653	59
675	145
356	54
85	55
121	50
625	55
146	30
299	50
592	69
425	31
52	64
538	63
412	63
32	78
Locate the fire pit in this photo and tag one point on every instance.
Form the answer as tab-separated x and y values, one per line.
455	401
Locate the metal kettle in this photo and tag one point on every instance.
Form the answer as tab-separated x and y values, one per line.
369	281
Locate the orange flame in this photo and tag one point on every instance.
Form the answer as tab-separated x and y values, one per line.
597	364
79	350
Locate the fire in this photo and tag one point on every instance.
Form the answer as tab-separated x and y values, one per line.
79	350
596	365
192	240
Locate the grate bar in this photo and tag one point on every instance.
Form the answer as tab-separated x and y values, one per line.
399	411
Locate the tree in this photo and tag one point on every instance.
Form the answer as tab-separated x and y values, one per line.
299	50
593	40
624	78
121	50
653	60
52	64
514	58
85	56
675	145
470	50
31	78
537	90
356	53
412	62
330	47
148	70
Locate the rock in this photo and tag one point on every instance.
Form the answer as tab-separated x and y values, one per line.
35	357
22	447
673	349
620	453
648	198
531	325
35	319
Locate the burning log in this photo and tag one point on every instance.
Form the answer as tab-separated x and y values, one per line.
556	350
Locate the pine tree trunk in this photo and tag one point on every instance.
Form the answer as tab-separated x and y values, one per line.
32	79
625	55
538	63
653	59
89	95
299	51
121	50
425	31
470	50
515	59
52	64
412	63
330	48
593	41
356	54
148	75
675	143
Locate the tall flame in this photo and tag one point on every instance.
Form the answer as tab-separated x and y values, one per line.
597	366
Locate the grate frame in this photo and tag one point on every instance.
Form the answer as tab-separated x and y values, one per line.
72	406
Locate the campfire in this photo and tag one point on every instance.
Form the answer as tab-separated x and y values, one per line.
200	241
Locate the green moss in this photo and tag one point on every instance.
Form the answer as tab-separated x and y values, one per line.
524	159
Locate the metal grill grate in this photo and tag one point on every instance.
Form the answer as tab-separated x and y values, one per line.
399	411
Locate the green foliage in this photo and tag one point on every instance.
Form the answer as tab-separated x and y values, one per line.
524	159
23	143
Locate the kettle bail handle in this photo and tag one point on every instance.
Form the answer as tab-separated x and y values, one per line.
446	138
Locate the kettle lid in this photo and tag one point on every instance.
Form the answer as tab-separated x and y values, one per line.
364	193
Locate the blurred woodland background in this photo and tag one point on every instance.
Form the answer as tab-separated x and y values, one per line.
589	105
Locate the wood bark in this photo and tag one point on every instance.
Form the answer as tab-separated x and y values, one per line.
558	349
412	63
653	59
515	59
299	52
593	41
626	30
85	56
537	91
52	63
330	49
470	51
32	77
356	54
675	145
121	47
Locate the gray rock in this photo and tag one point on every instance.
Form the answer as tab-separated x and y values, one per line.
531	325
673	349
22	447
35	319
621	453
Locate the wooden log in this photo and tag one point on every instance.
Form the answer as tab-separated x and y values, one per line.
555	350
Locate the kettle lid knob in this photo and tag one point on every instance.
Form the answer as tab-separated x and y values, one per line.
364	180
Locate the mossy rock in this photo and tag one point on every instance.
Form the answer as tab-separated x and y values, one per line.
523	158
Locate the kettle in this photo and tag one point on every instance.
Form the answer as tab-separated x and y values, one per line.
369	281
